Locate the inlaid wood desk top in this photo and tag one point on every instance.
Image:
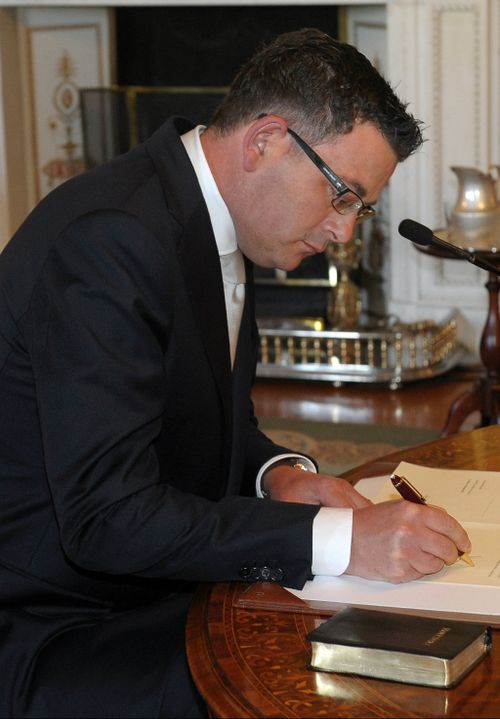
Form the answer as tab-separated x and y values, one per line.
253	663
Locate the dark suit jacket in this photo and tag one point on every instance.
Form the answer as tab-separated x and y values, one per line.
128	449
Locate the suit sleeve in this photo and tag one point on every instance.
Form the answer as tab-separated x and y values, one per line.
101	324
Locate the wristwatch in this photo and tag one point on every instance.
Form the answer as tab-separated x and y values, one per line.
291	462
299	465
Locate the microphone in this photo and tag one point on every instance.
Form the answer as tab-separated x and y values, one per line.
422	235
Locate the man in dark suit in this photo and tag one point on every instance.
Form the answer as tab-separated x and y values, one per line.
130	454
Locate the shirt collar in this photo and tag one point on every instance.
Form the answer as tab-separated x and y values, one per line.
222	224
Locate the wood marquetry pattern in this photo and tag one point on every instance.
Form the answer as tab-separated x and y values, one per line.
253	663
272	650
470	450
259	662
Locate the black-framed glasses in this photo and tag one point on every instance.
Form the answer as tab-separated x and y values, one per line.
346	201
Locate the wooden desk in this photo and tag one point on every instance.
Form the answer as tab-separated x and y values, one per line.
250	663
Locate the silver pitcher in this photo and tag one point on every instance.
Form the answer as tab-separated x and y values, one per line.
495	171
475	218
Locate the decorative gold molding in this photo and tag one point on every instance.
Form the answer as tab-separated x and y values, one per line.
437	81
31	83
438	18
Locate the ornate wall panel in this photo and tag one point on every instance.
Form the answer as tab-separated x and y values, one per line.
14	192
54	53
445	54
64	50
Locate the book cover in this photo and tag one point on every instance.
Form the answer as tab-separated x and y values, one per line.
412	649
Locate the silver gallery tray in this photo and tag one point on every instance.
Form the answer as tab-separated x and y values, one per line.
393	353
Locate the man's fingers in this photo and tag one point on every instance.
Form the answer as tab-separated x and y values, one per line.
443	523
399	541
425	563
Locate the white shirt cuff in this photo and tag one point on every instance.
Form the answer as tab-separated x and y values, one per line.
279	457
332	536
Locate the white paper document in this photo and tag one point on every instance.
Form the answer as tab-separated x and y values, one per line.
473	498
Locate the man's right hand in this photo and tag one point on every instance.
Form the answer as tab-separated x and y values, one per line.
399	541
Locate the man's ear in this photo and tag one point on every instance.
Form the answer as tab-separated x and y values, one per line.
265	135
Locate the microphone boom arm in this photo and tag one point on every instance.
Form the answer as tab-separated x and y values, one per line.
421	235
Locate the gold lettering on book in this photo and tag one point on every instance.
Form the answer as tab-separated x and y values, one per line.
437	636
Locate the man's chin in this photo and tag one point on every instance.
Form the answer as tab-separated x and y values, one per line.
288	266
293	264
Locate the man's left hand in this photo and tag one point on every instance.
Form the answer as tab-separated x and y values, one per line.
289	484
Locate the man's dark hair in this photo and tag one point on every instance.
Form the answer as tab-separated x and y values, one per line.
321	87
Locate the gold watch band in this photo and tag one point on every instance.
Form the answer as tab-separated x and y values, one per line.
299	465
292	462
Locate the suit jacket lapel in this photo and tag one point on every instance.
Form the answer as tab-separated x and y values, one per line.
201	266
243	374
197	250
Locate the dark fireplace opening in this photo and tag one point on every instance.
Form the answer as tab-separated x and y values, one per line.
202	46
179	61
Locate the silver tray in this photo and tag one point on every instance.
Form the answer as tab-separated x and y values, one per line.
392	354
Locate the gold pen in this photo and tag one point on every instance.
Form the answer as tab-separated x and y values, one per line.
411	494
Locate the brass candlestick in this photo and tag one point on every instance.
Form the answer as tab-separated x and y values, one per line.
344	301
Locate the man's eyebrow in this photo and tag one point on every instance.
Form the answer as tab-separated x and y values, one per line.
358	189
361	191
353	185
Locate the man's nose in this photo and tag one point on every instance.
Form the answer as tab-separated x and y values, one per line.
342	226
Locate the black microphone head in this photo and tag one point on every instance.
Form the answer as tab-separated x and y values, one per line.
414	231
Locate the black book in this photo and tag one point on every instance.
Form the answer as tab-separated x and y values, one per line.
403	648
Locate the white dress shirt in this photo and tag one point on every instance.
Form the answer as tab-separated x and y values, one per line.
232	264
332	527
